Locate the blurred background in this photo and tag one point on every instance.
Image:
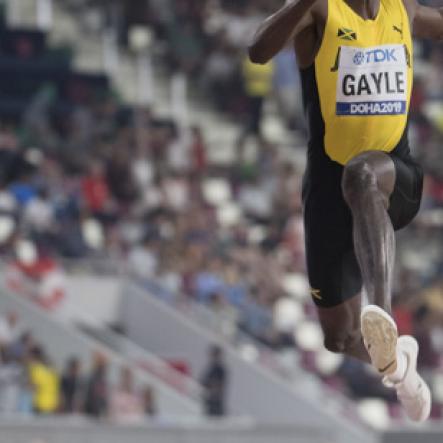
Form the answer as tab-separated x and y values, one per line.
153	284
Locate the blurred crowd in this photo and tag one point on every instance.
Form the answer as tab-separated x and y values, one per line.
222	235
207	41
30	384
120	182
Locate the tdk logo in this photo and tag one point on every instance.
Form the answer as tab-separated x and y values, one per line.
359	58
374	56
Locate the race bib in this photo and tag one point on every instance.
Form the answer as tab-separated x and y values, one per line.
372	81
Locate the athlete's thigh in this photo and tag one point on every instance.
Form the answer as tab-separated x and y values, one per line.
333	271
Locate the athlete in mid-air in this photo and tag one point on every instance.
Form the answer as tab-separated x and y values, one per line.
361	183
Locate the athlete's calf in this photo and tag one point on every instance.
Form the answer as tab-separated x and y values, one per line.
367	183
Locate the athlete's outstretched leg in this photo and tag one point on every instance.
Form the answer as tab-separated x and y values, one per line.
367	184
368	181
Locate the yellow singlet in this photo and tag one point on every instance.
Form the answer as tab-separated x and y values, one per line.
363	77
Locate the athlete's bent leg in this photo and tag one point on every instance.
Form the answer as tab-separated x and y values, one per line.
368	181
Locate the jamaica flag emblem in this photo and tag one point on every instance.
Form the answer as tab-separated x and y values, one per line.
346	34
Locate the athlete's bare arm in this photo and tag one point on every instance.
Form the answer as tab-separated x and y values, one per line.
426	22
282	27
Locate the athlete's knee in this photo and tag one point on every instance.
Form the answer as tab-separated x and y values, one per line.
340	342
359	179
335	344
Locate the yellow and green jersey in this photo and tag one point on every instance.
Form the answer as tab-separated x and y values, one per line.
358	90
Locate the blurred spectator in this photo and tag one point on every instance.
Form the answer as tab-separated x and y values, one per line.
39	214
142	259
45	382
227	316
433	78
220	78
96	191
169	277
20	354
185	46
8	204
198	150
178	151
142	170
72	386
258	85
97	391
209	280
126	406
22	347
429	358
12	381
287	314
8	139
148	399
18	167
23	189
119	177
9	329
255	197
215	382
288	88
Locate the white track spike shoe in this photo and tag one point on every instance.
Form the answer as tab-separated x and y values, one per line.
380	335
412	391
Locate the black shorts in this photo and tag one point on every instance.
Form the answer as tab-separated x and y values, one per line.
333	270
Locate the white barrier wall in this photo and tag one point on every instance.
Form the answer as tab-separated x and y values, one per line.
99	296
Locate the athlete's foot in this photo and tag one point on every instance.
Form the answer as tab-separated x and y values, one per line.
380	335
412	391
